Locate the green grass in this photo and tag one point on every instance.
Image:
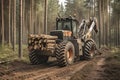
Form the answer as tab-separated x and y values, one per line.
114	56
6	53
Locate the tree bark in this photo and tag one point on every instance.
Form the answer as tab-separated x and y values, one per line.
103	22
45	17
29	31
32	15
20	29
23	21
109	26
118	30
107	21
9	28
100	23
3	37
14	27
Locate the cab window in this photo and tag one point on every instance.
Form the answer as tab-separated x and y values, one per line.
64	25
74	28
67	26
59	25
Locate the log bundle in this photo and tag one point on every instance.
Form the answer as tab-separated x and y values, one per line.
42	42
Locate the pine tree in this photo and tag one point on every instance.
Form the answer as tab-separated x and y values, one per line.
62	10
2	30
20	28
9	28
14	28
53	9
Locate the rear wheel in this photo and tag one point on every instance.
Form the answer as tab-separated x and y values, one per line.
65	53
89	49
36	58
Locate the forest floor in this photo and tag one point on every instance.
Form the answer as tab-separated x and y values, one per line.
106	68
102	67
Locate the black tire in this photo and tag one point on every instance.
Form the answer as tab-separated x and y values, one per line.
36	58
89	49
65	53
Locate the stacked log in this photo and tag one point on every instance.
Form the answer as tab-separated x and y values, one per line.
42	42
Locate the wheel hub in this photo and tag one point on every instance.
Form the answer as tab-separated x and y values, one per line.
70	54
92	51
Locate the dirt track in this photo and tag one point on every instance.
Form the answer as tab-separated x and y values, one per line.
24	71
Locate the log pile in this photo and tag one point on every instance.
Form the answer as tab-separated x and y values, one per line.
42	42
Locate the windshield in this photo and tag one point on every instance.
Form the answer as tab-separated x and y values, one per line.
74	28
64	25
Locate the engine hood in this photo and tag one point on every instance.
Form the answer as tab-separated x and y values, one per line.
61	33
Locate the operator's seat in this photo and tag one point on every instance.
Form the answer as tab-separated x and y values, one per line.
66	27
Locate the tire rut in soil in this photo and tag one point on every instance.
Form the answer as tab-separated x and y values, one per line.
46	73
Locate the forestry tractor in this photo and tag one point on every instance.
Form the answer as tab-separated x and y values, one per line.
67	43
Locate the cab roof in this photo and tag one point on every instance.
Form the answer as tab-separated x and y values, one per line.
66	19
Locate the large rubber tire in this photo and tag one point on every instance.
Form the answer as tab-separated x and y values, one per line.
36	58
89	49
65	53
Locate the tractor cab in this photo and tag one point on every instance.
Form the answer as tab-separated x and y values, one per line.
66	28
68	24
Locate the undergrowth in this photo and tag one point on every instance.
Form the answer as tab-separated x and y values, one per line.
7	53
112	66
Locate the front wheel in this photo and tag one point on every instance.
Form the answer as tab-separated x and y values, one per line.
65	53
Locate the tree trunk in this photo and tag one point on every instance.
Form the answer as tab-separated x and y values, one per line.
32	15
9	28
14	27
100	22
29	31
102	26
20	29
3	37
118	30
23	21
107	22
45	17
109	26
103	19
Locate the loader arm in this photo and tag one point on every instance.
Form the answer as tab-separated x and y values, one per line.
88	34
92	25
